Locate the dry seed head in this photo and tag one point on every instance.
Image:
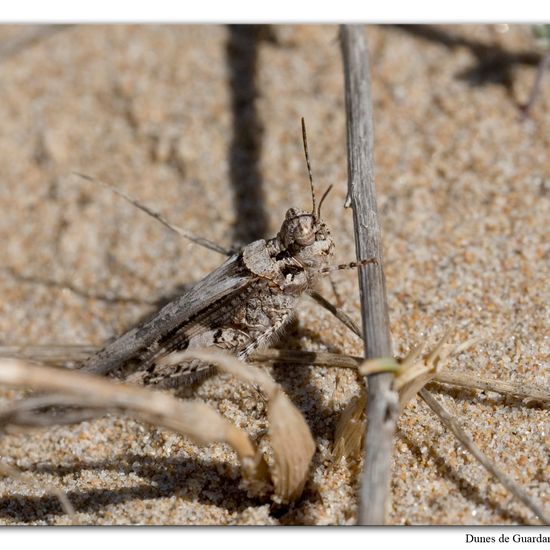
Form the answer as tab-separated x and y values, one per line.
414	372
348	436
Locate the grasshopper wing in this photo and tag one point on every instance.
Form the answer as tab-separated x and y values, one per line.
226	280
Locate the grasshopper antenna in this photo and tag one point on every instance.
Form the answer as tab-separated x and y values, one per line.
206	243
304	138
322	199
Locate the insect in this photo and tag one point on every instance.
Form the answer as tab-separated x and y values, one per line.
239	307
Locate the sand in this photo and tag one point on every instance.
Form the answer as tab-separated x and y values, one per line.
202	124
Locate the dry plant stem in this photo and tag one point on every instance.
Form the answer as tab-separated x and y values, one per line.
28	412
382	407
10	471
194	419
23	420
537	85
325	359
53	354
58	354
452	424
299	357
523	391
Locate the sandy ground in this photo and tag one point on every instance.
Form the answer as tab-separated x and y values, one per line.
202	123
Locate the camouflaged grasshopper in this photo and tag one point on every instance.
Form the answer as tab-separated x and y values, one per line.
241	306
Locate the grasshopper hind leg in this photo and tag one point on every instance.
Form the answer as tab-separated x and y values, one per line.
170	376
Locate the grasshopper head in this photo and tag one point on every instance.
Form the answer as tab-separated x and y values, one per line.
305	234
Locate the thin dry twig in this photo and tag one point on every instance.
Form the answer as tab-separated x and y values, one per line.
7	470
299	357
59	354
521	390
382	405
52	354
27	412
454	426
527	392
544	65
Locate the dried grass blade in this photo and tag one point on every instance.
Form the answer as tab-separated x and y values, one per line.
291	440
510	484
57	354
191	418
53	354
348	436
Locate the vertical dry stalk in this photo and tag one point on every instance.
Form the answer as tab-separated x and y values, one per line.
382	408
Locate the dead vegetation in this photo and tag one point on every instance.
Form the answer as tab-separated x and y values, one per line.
283	472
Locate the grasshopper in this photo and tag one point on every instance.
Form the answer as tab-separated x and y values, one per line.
241	306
